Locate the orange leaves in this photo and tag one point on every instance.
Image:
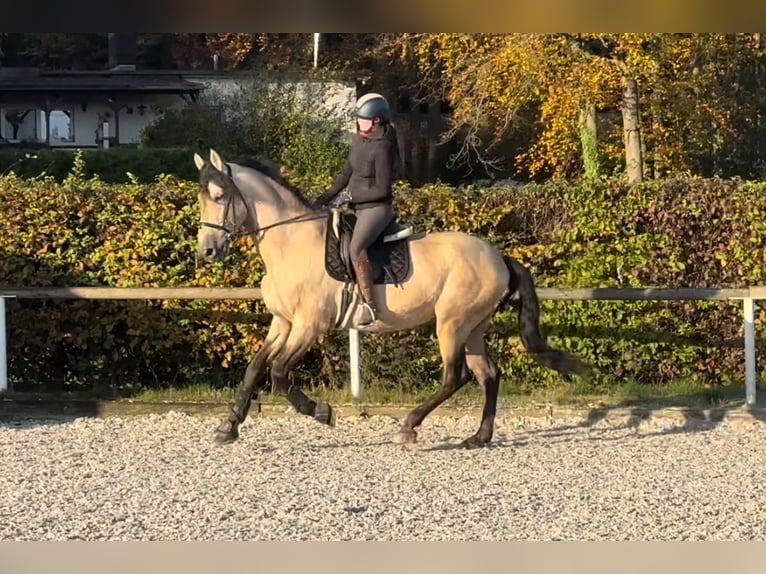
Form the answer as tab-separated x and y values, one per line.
495	81
234	48
195	50
699	93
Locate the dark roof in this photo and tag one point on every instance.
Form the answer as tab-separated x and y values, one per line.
36	80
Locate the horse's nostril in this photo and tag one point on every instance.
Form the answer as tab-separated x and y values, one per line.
209	252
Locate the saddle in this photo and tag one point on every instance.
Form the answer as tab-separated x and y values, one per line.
389	254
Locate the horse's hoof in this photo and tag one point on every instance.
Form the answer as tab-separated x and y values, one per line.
474	442
225	437
324	414
406	437
226	433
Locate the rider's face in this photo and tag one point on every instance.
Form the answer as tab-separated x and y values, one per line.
364	124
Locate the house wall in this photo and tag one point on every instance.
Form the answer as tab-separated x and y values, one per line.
336	97
86	123
33	127
131	124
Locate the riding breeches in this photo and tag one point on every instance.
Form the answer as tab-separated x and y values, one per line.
370	223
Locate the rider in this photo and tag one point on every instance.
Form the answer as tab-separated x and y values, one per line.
369	176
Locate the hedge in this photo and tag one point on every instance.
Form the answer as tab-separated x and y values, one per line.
674	233
112	165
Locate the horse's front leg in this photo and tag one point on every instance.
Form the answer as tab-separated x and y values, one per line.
298	342
254	380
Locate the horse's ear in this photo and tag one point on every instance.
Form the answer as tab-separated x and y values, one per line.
217	161
198	161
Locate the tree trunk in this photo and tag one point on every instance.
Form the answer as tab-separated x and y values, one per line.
432	140
589	141
652	154
416	150
631	124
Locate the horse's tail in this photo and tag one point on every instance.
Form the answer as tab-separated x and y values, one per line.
529	323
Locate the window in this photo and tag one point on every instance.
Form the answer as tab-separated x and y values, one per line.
62	126
17	124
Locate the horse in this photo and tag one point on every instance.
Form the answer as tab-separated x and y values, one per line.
455	279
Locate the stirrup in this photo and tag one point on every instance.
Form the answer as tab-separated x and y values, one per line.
401	232
371	311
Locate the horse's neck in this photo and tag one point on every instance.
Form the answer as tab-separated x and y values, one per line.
286	246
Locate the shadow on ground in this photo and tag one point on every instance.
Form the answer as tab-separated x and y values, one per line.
696	412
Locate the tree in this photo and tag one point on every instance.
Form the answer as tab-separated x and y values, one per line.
631	121
704	105
65	51
197	50
496	82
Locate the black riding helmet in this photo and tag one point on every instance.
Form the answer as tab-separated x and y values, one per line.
371	106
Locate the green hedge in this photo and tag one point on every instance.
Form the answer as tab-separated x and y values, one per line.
111	165
675	233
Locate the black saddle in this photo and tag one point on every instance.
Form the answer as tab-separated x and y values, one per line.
389	254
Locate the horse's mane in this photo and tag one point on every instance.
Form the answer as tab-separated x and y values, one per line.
271	170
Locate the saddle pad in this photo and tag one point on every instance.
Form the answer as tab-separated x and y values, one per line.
390	261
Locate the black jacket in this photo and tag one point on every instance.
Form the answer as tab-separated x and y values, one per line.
369	169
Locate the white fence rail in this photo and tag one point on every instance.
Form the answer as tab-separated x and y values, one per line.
747	295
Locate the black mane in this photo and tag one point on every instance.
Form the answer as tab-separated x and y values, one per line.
272	170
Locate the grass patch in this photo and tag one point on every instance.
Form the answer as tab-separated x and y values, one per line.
576	395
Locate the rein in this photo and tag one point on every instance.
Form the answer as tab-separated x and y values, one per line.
232	235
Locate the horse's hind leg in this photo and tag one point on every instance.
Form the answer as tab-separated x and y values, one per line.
454	377
255	378
486	374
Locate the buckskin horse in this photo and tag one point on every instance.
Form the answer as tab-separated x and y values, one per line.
454	278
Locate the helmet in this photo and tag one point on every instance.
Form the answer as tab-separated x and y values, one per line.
371	106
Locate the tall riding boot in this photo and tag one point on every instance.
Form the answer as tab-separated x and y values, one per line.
363	271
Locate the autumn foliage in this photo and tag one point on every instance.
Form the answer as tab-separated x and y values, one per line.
529	105
700	97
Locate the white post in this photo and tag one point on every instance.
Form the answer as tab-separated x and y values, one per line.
750	375
3	350
316	49
105	130
353	347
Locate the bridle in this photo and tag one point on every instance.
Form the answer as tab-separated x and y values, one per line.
232	234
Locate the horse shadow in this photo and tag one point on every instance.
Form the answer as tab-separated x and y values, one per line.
458	446
680	415
22	412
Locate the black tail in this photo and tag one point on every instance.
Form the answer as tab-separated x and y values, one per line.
529	323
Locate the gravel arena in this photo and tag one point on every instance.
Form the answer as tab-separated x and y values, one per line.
161	477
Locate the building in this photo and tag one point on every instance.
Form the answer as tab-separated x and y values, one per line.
108	108
81	109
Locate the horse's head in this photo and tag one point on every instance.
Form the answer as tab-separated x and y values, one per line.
223	207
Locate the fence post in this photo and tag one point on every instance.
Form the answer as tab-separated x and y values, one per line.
353	347
3	349
750	374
